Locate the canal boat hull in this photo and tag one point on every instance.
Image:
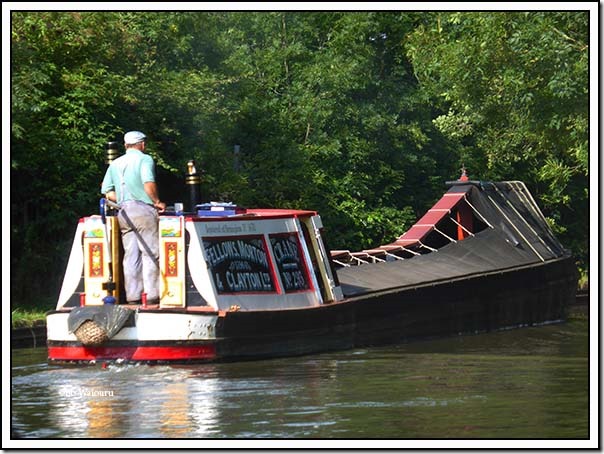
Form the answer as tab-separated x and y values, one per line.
529	296
260	283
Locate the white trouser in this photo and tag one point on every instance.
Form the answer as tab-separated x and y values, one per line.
141	274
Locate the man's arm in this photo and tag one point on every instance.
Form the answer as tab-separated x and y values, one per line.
151	190
107	186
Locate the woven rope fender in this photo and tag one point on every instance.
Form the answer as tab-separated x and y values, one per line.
91	334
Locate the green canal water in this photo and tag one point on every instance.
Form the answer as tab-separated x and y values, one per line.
522	384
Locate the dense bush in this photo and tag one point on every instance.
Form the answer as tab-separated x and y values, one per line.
361	116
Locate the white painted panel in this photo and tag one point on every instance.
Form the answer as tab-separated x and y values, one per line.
247	301
56	328
75	268
149	327
197	265
162	326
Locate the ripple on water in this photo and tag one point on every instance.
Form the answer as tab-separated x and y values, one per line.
530	383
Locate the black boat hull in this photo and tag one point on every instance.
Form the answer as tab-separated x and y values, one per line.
525	296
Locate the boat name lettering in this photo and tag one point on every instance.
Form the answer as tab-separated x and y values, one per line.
249	282
290	262
294	280
239	265
248	227
285	251
229	250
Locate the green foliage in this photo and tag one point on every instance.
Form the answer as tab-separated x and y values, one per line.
361	116
29	318
513	87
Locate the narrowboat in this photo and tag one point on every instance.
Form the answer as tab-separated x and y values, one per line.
241	284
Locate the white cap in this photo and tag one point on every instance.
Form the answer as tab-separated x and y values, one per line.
132	137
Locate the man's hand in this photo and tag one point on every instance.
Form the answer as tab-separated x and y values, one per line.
160	206
111	196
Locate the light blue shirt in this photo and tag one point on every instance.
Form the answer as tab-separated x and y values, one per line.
127	176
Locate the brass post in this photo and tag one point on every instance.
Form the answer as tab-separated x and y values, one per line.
193	181
111	152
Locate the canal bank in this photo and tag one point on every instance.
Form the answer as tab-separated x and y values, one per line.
28	337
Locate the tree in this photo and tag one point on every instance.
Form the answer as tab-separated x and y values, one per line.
329	99
78	81
360	116
513	90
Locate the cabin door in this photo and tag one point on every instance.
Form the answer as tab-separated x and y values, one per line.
329	286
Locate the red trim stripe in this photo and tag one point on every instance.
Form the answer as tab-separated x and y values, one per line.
135	353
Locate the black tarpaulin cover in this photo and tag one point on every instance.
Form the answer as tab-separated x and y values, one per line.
518	235
111	318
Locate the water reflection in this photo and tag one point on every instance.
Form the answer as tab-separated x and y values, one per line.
175	413
88	409
518	384
116	402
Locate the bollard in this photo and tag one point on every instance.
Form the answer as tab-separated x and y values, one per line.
111	152
193	182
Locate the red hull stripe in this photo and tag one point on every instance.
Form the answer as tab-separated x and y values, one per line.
137	353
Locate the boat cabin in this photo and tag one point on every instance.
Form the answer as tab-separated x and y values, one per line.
221	257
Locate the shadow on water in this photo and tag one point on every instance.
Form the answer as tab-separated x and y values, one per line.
527	383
